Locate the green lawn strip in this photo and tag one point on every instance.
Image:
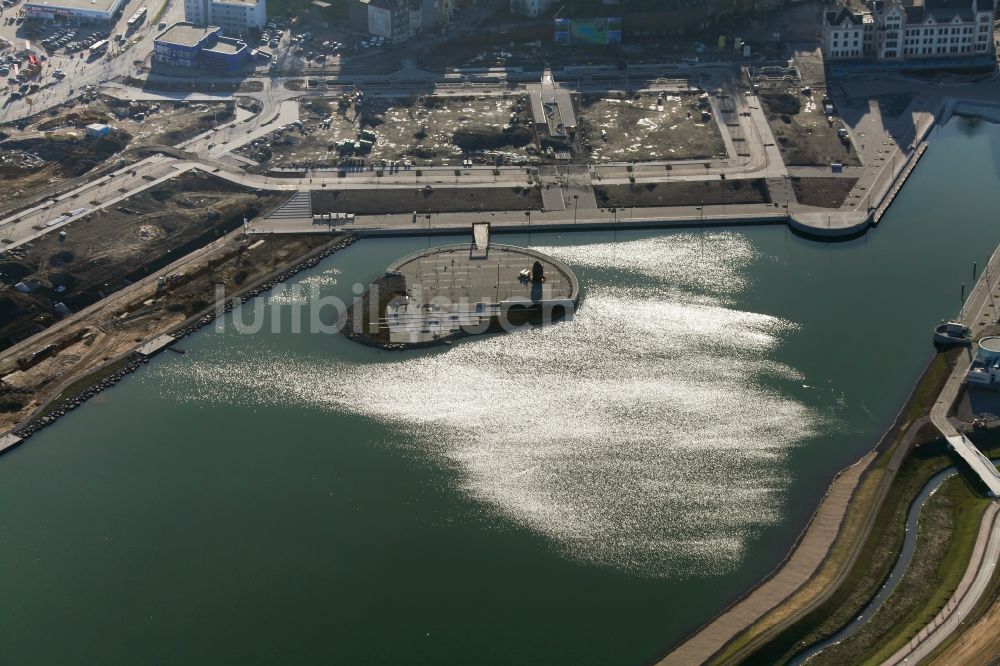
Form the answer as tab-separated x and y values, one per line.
989	442
946	535
989	598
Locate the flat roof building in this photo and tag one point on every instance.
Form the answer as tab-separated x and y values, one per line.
74	11
190	46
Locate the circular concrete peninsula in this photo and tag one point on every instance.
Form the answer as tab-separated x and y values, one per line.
436	295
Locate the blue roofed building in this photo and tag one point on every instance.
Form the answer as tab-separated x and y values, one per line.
189	46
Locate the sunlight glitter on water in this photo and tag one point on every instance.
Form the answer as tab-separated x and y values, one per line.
644	434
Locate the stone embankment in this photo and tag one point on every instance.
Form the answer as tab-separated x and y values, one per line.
72	396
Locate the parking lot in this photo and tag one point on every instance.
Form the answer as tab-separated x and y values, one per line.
69	40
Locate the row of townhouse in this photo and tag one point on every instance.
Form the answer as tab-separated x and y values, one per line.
890	31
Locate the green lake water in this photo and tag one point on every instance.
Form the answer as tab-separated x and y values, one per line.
586	493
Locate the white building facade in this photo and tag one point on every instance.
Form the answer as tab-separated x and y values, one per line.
235	17
889	31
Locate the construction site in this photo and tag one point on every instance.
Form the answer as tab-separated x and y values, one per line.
427	130
647	126
54	147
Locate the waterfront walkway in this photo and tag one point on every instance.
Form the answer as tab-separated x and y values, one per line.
975	313
795	572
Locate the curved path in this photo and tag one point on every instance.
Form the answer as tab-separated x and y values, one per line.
905	557
970	590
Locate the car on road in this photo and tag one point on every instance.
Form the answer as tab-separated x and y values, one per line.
273	43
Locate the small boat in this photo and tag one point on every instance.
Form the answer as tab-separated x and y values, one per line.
952	333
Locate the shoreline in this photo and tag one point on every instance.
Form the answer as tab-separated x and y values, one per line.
107	374
906	430
813	547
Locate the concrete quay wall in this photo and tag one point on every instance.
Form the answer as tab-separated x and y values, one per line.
582	225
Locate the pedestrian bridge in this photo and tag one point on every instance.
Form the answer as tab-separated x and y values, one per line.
979	463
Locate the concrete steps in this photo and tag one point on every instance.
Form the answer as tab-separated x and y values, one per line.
298	207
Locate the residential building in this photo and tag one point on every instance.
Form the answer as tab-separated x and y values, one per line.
530	7
437	13
890	31
844	34
394	20
234	17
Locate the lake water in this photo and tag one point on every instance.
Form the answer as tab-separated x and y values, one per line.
589	492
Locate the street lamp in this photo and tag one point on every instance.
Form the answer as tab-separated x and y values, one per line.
576	206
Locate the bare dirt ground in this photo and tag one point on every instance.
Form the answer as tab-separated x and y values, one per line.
146	122
29	165
683	193
647	126
106	251
116	325
441	200
802	131
423	130
48	148
823	192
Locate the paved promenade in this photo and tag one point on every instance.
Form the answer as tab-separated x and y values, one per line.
975	314
804	561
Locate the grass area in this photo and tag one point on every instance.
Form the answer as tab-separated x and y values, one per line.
823	192
426	200
977	638
683	193
946	535
768	638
